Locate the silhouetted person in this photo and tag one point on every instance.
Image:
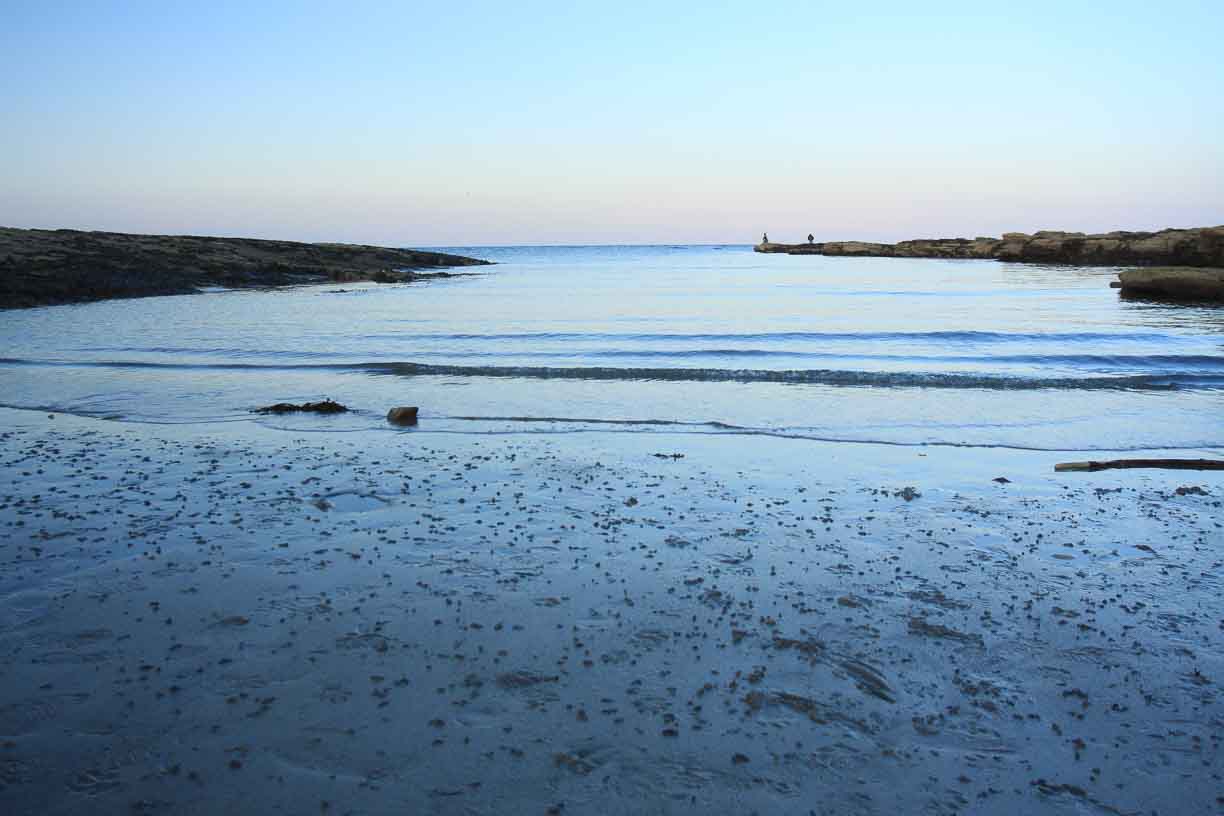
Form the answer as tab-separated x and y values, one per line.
764	237
811	238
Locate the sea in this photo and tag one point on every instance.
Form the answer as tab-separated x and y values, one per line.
656	340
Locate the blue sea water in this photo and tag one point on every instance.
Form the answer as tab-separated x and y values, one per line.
689	339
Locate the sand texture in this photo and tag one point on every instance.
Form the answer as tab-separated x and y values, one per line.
202	619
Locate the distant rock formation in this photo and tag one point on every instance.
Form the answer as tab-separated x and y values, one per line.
42	267
1202	246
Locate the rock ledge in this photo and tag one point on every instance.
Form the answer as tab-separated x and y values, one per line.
1201	246
43	267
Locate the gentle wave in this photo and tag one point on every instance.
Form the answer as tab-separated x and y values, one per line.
1134	363
1129	361
340	359
1165	381
968	336
879	379
603	337
578	425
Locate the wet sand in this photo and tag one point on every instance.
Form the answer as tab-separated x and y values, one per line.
209	618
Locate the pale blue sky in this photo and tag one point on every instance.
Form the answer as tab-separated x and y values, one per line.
484	123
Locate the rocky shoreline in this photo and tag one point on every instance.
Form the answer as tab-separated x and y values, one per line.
1202	246
46	267
1182	255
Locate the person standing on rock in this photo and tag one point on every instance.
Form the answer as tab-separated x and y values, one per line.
764	237
811	238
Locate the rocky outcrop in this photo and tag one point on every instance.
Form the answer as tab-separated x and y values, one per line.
1172	247
1173	283
921	248
42	267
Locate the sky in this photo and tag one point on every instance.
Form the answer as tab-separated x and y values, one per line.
468	123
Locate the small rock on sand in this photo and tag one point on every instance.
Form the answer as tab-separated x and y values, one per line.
403	415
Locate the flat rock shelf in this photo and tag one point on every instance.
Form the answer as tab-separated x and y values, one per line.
46	267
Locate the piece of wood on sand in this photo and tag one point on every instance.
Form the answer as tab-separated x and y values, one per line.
1167	464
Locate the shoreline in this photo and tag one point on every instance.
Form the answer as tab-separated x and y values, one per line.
1175	264
50	267
1196	247
238	616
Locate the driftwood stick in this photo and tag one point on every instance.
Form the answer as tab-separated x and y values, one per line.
1167	464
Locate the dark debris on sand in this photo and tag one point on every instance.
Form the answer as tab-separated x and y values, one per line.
324	407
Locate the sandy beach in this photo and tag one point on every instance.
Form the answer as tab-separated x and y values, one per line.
399	414
199	618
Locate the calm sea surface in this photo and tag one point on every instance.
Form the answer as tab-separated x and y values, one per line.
699	339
